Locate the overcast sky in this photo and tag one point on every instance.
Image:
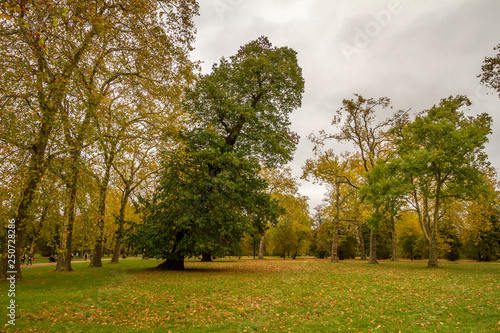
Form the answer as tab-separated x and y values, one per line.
414	52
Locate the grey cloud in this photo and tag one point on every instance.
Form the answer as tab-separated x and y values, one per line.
429	50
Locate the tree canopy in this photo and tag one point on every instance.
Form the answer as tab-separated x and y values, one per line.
237	119
63	64
439	157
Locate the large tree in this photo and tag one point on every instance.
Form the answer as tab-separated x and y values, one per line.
360	125
440	157
238	120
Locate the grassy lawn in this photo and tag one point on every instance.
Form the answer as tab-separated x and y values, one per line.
304	295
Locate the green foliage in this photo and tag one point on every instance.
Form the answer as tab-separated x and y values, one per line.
292	231
244	104
484	245
411	241
211	192
321	242
384	250
443	150
490	75
348	245
212	211
439	157
250	244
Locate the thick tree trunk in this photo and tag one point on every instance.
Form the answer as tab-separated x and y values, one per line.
64	255
63	263
206	257
172	265
36	169
433	262
176	260
394	249
361	242
96	260
394	240
7	270
261	247
118	247
373	247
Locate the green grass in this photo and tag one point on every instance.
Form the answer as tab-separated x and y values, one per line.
304	295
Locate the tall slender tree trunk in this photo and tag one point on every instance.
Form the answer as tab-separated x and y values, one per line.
75	144
66	248
296	248
121	220
103	188
373	247
335	243
361	242
38	230
394	240
336	222
96	260
261	247
119	235
254	244
118	242
64	255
